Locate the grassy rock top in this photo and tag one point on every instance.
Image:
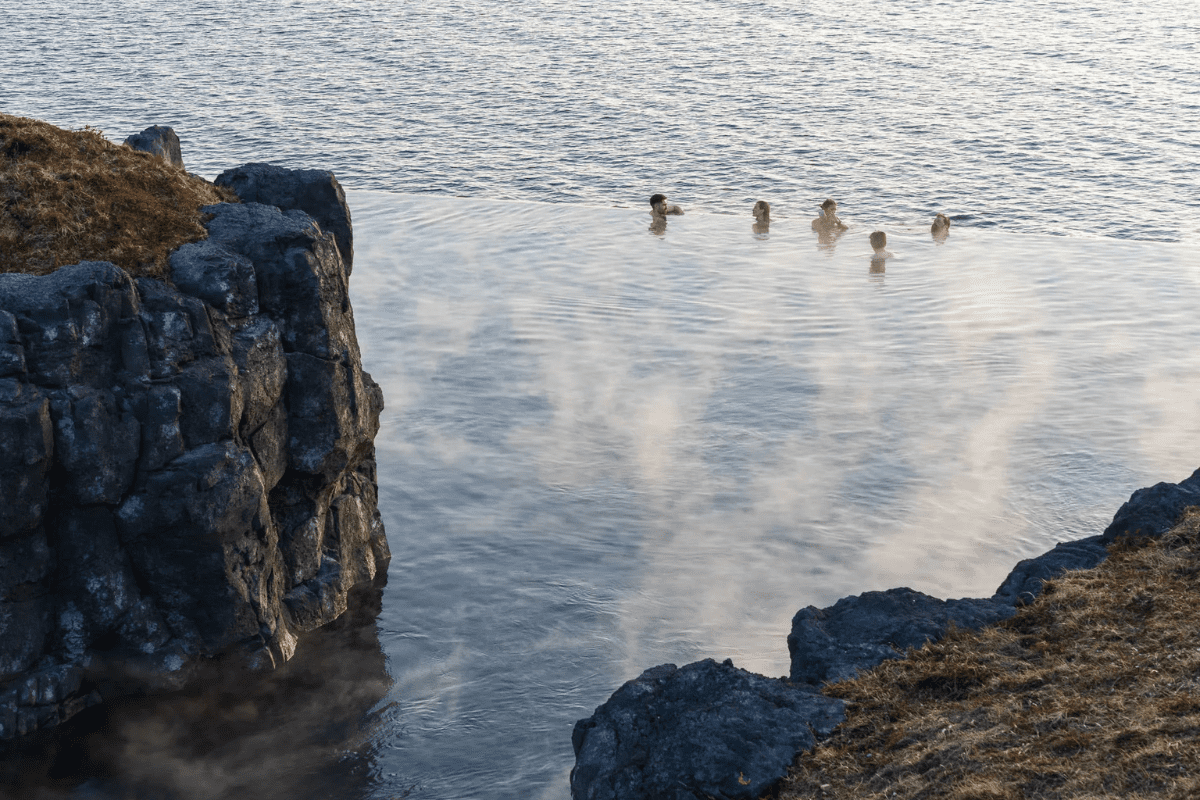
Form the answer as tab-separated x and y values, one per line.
1089	692
69	196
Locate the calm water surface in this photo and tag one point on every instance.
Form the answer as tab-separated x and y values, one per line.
605	449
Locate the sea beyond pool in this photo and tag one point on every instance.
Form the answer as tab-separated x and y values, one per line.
608	447
1028	116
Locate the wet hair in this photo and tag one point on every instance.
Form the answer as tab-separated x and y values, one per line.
762	207
941	221
829	203
879	240
655	199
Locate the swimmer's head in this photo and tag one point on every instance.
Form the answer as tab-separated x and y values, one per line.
878	240
656	199
762	211
941	222
829	205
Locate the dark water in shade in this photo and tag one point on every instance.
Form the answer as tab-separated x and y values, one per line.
605	449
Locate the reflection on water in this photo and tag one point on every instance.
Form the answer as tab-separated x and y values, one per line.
604	450
305	731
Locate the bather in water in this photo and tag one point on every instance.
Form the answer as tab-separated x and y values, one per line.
879	245
828	222
941	226
659	207
880	255
762	217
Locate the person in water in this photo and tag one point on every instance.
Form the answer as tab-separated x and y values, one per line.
940	227
880	256
879	245
762	217
828	222
660	208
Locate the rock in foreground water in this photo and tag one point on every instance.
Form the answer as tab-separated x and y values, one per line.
702	730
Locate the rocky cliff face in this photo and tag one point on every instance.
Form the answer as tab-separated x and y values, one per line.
188	470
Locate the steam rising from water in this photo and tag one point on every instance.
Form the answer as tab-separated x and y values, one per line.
605	449
305	730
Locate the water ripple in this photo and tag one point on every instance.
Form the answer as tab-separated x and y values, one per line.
1025	116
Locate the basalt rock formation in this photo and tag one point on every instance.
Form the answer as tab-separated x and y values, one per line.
188	468
708	731
857	632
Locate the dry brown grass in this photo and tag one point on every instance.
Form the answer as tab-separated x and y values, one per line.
70	196
1093	691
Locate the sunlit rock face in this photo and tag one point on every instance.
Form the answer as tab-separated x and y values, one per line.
188	470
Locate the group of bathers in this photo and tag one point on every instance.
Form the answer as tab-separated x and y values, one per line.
828	224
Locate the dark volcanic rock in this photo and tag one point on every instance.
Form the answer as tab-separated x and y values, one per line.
832	644
175	329
858	632
160	140
188	470
74	324
293	732
12	353
96	585
703	730
1025	581
1155	510
302	281
27	437
315	192
224	280
200	535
